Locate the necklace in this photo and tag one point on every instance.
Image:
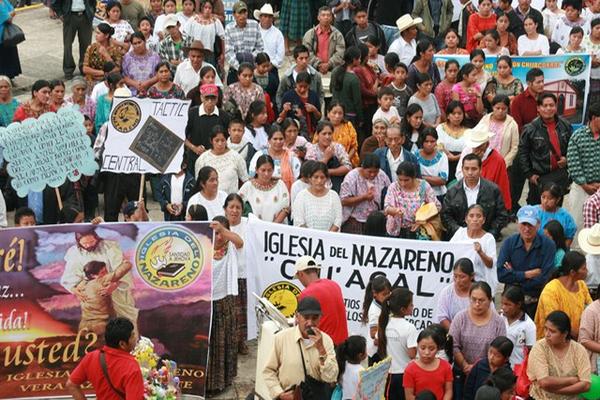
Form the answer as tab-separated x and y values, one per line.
263	187
220	252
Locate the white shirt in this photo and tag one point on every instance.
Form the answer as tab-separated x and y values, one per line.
274	45
537	4
406	51
187	78
394	162
230	166
100	89
297	187
387	115
374	313
122	29
177	189
593	265
206	33
182	18
319	213
349	380
450	143
401	335
224	274
260	141
488	246
213	207
562	31
266	204
471	193
77	6
522	333
525	44
159	25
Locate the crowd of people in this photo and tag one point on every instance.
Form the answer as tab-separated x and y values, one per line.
332	115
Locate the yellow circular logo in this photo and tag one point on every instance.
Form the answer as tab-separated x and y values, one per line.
169	258
126	116
284	296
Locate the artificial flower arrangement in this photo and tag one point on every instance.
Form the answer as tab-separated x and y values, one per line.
160	379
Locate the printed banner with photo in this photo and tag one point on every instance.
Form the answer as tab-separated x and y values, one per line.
350	260
145	135
59	285
567	76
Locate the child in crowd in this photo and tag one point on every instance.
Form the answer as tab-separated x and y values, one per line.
468	92
378	289
575	40
433	162
169	7
397	338
520	329
256	125
428	372
390	61
350	354
497	357
385	99
187	11
302	182
432	115
238	142
400	89
174	192
554	231
492	47
507	39
24	216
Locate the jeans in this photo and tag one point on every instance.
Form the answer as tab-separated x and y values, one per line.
391	33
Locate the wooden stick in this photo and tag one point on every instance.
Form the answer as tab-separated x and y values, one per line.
142	183
58	199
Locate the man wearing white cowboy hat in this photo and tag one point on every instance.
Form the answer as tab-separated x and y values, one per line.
493	166
589	242
406	45
272	37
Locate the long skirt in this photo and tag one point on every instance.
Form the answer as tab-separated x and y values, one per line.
295	18
10	65
222	354
242	307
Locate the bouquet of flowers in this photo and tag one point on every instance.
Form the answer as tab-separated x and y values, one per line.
160	379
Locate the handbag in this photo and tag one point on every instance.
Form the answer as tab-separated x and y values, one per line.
523	382
13	35
311	388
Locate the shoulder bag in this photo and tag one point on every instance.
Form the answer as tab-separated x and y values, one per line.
13	35
105	373
311	388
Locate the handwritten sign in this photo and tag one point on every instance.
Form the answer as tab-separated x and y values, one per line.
145	136
371	384
47	150
156	144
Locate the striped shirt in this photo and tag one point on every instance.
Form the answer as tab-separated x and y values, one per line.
242	40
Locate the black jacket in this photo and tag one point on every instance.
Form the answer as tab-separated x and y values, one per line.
535	148
63	8
164	195
516	25
489	197
353	40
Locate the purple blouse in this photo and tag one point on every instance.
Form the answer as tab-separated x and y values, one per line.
140	68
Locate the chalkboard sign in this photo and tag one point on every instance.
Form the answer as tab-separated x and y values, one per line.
156	144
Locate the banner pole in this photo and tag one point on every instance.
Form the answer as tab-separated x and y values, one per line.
58	199
142	183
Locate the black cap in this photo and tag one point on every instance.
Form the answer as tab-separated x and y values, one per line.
309	306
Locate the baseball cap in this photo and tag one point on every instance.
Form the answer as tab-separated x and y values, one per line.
170	20
309	306
209	90
129	208
239	6
304	263
528	215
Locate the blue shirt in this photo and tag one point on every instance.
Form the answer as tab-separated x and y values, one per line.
540	255
562	216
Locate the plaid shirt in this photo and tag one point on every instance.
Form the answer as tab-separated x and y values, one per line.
242	40
168	51
591	210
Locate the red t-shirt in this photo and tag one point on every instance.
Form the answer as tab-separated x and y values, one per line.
123	370
419	379
333	321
